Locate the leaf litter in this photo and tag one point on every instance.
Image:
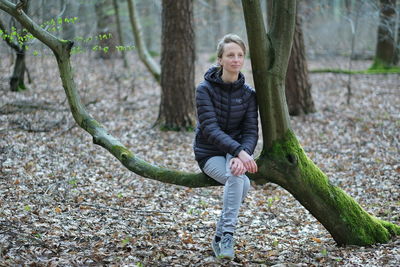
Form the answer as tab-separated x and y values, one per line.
67	202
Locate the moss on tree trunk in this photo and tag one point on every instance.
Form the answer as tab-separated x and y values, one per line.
339	213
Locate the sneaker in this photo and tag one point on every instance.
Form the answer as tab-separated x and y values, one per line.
215	247
226	247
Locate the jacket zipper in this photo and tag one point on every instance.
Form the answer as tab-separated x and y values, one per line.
229	107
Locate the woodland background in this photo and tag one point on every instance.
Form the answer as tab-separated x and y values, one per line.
66	201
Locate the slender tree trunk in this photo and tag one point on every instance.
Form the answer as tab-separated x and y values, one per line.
298	87
144	55
385	47
177	66
396	59
69	28
17	78
105	34
119	30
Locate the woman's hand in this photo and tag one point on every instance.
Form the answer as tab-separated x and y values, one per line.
237	167
248	162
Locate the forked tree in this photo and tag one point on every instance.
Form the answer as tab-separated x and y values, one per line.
282	160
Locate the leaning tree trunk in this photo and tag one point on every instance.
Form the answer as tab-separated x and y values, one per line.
282	160
347	222
298	87
144	54
177	66
385	47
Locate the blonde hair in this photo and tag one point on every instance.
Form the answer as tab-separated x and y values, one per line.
229	38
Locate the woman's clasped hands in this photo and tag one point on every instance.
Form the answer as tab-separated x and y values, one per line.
243	163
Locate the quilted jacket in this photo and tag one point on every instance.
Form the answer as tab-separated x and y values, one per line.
227	118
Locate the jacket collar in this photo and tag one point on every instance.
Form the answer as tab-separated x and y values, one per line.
213	75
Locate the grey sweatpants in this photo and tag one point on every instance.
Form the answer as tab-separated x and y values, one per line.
235	190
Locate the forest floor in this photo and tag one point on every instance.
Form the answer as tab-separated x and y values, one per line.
65	201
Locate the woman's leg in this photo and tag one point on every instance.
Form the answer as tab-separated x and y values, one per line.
235	190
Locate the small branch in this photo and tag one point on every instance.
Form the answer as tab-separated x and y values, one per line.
10	43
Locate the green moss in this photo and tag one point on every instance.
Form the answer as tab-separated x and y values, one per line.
304	177
121	152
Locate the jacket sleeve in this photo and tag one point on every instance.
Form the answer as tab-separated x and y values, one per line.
209	124
250	126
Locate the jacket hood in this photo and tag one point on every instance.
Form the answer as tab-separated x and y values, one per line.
213	75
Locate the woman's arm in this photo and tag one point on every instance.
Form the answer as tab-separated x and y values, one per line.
250	126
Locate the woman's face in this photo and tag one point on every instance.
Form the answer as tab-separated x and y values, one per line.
232	58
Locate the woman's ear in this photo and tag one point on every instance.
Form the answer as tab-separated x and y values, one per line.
219	61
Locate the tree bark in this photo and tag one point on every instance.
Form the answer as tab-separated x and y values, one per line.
385	47
282	160
177	66
144	55
347	222
298	87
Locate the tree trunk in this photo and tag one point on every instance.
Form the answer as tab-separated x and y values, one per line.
69	28
396	58
347	222
177	66
282	160
17	78
144	55
105	34
17	82
385	47
119	30
298	87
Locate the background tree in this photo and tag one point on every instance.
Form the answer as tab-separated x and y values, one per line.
177	66
105	34
69	28
298	87
119	30
385	46
17	43
152	66
282	159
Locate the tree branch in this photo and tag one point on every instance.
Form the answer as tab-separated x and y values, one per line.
12	44
269	55
45	37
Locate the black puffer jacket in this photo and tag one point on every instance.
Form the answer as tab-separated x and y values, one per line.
227	117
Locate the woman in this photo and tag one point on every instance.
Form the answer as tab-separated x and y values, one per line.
226	135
